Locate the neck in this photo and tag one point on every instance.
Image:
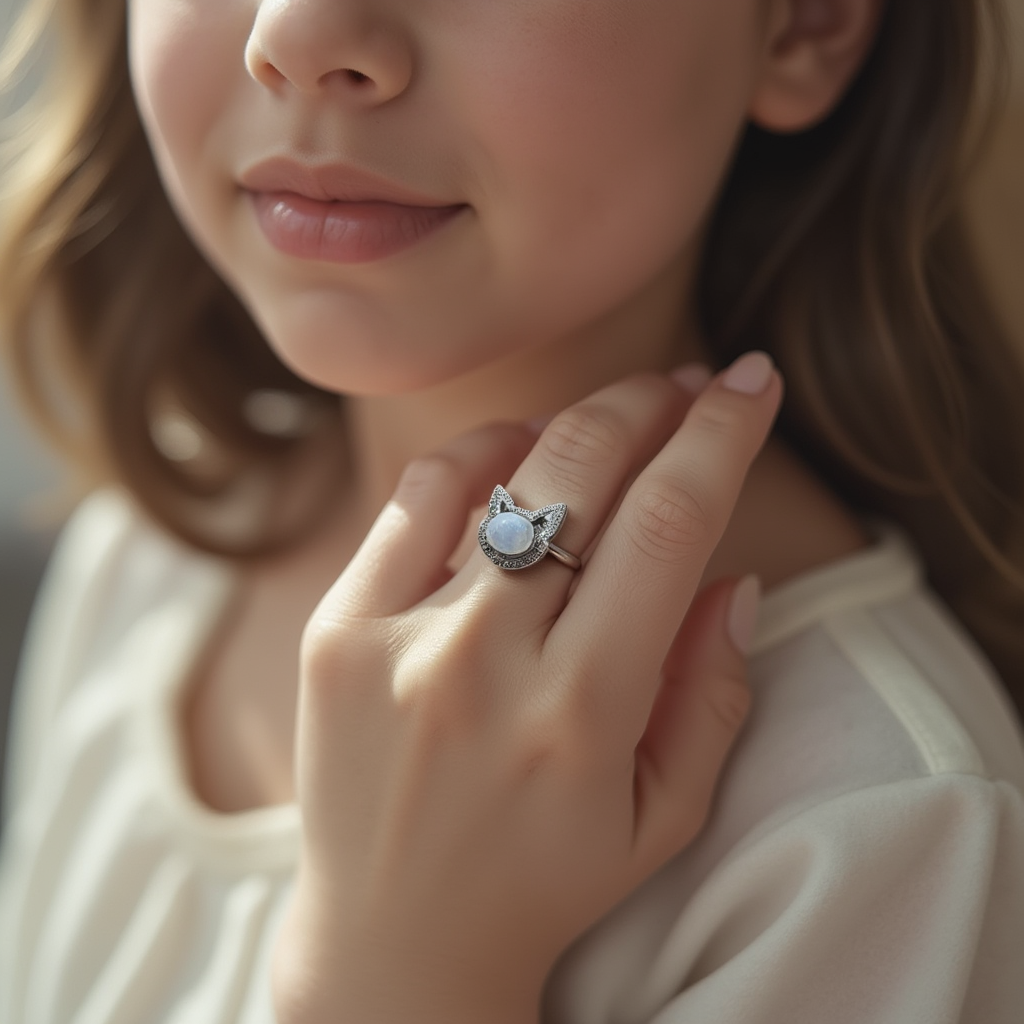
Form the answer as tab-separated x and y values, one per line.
652	332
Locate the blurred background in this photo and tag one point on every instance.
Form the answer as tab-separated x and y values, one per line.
28	471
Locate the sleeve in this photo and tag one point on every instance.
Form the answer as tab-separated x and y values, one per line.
63	629
899	904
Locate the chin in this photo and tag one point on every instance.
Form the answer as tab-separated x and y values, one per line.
356	358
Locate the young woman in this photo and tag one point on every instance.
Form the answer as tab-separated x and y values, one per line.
312	285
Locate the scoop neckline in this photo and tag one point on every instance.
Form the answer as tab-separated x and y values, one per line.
268	837
263	838
879	572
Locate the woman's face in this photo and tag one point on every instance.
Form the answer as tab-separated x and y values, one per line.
582	142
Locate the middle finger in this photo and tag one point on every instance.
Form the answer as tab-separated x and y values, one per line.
644	573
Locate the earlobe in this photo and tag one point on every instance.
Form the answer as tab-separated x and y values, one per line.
813	52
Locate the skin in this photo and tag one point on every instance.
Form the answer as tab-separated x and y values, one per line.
588	138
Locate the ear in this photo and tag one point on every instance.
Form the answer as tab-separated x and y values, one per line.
814	49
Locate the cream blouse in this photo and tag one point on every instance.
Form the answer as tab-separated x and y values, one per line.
864	863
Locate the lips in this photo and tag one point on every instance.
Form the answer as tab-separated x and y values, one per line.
332	182
338	213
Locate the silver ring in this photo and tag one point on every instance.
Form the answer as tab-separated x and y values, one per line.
514	538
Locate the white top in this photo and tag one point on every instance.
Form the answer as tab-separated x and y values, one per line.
864	864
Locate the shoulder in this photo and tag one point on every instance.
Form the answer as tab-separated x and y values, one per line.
897	902
862	859
861	661
864	683
111	568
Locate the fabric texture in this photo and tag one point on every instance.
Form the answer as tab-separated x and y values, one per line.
864	863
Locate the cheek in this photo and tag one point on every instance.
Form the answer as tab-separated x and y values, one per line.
181	75
607	125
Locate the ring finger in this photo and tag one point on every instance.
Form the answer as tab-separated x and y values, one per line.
584	458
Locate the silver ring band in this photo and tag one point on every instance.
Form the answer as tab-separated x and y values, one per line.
565	557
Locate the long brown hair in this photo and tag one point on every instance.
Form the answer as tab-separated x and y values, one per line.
840	249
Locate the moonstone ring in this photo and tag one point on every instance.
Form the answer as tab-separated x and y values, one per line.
513	537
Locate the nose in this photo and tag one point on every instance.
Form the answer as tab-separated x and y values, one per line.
329	47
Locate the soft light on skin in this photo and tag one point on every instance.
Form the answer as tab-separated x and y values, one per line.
588	138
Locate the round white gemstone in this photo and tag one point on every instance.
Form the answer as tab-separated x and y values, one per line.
510	533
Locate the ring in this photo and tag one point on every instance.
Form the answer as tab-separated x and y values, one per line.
514	538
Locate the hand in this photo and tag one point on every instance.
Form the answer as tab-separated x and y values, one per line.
488	761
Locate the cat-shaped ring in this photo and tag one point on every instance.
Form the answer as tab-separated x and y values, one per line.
514	538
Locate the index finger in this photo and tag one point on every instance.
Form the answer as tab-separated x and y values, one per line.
641	579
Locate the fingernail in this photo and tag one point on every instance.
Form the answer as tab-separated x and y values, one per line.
749	374
693	377
743	610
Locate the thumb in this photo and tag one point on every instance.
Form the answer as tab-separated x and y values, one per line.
702	704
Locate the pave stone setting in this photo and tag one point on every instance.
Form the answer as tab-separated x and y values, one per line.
515	538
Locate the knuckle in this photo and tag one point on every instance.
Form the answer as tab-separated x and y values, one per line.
439	685
331	653
583	438
319	647
671	519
